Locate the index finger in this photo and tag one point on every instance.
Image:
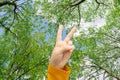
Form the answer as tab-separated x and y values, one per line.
59	34
70	34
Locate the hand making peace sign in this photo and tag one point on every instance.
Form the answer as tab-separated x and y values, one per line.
63	49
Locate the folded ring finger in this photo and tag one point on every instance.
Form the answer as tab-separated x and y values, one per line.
70	42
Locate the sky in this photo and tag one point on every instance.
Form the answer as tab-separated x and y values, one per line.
96	24
1	31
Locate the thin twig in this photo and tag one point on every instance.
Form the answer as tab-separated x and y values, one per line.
101	3
107	71
75	3
36	65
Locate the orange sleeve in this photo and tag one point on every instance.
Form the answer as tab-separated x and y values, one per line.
58	74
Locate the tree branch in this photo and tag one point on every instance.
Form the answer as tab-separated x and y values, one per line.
91	73
36	65
7	28
8	3
100	3
13	3
75	3
107	71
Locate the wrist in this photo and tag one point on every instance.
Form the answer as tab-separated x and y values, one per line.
56	65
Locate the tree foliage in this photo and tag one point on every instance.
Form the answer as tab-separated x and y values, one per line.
28	37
